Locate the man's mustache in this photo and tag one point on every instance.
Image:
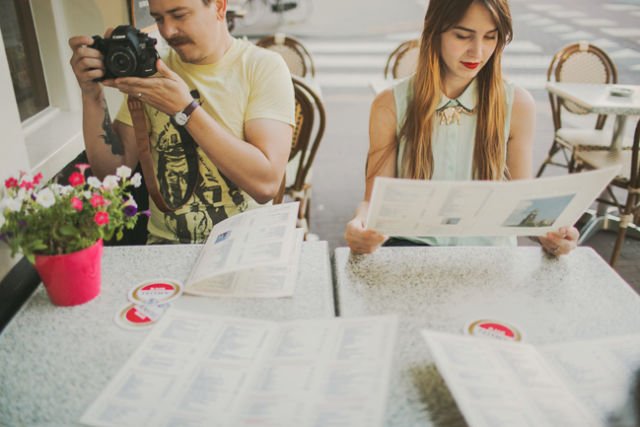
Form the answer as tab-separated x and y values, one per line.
176	41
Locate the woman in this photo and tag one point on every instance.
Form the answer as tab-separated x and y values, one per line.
455	119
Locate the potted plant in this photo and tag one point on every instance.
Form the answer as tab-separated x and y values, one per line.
60	228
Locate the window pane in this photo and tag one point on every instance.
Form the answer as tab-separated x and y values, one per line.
21	48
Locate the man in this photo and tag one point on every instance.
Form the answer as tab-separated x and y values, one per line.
240	106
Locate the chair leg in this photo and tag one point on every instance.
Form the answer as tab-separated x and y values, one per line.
552	152
626	218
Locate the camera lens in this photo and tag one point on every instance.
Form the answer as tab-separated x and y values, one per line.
122	62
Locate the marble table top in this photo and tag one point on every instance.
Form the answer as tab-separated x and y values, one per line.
550	300
54	361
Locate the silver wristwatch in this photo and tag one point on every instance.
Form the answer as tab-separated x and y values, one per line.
182	117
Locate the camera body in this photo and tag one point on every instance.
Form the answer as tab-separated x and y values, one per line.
128	52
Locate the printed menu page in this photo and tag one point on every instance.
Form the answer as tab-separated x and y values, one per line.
498	383
533	207
273	281
263	237
195	370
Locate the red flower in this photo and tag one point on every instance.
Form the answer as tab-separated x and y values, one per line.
101	218
27	185
37	178
97	200
76	204
76	179
11	182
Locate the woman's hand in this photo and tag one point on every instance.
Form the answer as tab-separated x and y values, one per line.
560	242
360	240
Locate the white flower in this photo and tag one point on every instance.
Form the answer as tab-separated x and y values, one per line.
94	182
136	180
87	194
46	198
123	171
14	205
110	182
65	189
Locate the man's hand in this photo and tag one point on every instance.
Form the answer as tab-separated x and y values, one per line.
87	63
165	91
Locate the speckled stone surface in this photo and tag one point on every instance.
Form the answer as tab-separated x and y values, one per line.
54	361
550	300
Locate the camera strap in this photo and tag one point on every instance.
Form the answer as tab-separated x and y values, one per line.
136	109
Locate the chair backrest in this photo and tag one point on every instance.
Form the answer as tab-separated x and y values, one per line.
310	119
403	60
296	56
579	63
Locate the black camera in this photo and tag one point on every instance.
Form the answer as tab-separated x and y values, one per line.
128	52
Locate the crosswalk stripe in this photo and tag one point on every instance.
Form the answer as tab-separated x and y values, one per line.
560	28
356	61
567	14
363	80
386	47
544	7
578	35
528	81
588	22
377	62
350	47
346	79
620	7
622	32
625	53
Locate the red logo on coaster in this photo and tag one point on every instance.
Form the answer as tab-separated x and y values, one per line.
136	317
493	329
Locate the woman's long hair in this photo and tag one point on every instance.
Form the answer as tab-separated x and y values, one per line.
490	148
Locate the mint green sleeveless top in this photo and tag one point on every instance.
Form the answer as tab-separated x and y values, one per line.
452	146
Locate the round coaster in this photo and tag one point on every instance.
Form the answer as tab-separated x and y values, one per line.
490	328
140	316
162	290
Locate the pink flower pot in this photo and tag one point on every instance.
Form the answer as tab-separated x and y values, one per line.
74	278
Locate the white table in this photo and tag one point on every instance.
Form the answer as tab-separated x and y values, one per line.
55	361
442	288
597	99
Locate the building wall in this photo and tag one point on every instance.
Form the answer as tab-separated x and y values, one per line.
49	140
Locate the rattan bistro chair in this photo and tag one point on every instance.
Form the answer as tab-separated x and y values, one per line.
403	60
577	63
310	121
628	180
296	56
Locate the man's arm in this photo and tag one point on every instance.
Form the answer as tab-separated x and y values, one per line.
256	165
108	145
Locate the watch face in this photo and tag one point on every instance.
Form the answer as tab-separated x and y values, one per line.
181	118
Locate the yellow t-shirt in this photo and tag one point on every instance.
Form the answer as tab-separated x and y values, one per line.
246	83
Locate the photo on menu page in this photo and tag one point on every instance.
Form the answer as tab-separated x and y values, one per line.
540	212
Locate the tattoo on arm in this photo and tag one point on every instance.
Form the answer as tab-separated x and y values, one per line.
109	136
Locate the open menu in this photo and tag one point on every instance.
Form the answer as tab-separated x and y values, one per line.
499	383
197	369
252	254
533	207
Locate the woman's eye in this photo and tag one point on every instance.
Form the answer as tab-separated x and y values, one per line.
461	37
491	37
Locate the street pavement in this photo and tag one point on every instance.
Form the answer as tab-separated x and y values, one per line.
350	42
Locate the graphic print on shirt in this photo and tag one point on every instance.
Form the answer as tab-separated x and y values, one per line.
214	197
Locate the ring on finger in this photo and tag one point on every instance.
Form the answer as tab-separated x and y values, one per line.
139	95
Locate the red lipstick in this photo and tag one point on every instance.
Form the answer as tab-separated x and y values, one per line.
471	65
